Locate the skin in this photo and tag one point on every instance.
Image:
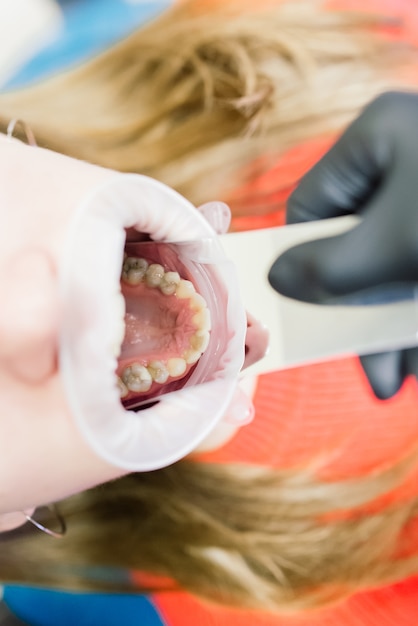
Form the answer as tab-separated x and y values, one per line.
39	441
43	457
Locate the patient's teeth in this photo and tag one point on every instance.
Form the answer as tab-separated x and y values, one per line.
198	344
154	275
123	389
137	378
200	340
197	302
158	371
176	366
169	283
192	356
134	269
185	289
201	320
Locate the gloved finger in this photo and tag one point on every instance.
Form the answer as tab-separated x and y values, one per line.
298	273
321	271
349	173
384	372
410	362
367	256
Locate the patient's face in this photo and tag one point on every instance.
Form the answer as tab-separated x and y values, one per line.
43	456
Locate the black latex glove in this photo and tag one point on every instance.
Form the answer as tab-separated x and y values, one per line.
372	170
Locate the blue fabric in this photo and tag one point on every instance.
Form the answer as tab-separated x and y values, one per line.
41	607
89	27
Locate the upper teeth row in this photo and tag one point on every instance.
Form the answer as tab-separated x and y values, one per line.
137	270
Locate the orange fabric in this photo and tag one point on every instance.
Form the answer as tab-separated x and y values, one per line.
396	605
323	414
261	202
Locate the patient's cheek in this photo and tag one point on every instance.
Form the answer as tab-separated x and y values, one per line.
167	327
28	328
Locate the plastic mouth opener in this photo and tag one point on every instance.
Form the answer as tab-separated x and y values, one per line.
303	333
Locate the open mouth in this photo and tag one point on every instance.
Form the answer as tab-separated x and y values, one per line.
167	323
143	319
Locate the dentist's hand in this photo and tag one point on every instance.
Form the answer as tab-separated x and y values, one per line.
372	171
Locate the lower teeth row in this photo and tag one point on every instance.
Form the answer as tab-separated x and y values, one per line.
139	378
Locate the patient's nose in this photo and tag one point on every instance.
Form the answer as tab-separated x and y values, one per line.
28	316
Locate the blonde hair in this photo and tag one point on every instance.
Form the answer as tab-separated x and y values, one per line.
243	536
194	99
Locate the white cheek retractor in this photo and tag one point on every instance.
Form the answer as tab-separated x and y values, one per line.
92	306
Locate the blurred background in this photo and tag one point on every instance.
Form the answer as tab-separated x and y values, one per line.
40	37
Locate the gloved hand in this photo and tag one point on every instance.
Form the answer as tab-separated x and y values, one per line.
372	171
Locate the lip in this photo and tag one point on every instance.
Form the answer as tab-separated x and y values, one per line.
256	341
89	276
